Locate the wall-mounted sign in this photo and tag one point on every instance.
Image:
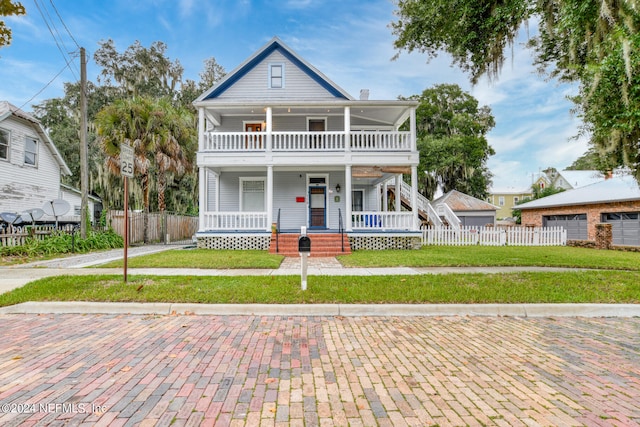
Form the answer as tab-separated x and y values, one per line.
300	199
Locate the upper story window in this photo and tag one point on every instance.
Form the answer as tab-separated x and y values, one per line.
4	144
30	151
501	201
276	76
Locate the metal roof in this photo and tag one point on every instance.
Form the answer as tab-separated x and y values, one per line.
617	189
460	202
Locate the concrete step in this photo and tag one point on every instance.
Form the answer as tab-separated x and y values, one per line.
321	244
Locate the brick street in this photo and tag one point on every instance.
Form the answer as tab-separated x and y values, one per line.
63	369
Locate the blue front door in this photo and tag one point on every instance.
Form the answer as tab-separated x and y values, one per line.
317	207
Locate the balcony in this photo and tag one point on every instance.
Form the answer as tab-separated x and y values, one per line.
359	141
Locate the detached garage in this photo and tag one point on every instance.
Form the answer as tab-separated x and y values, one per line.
471	211
615	201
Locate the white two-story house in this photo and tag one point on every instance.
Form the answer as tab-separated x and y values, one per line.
282	147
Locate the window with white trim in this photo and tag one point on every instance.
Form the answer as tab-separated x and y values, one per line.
501	201
252	195
30	151
4	144
276	76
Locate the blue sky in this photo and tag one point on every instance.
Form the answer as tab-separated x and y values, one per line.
348	40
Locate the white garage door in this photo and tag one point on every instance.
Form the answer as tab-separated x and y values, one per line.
576	225
625	227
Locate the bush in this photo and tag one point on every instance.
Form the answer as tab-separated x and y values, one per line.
61	243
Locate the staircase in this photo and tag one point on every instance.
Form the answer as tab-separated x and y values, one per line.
322	244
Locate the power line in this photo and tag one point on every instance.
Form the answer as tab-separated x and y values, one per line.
63	24
46	86
62	51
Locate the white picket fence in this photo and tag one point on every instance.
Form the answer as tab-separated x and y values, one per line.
490	236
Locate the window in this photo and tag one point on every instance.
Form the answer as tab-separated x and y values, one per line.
501	201
31	151
276	76
516	199
252	194
357	200
4	144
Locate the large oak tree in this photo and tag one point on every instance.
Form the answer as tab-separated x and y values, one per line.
593	42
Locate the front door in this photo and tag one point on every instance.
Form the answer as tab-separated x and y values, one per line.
317	207
253	141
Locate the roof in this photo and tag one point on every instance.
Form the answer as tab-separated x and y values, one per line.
460	202
7	110
275	44
579	179
617	189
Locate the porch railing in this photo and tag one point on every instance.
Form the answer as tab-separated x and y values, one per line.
235	221
382	220
307	141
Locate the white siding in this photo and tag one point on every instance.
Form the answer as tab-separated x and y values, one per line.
254	85
22	186
286	123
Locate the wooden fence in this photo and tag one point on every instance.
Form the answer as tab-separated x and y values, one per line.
16	235
163	227
492	236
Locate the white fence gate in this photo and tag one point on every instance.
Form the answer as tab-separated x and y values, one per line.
490	236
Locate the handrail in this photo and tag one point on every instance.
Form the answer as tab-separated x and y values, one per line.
423	202
278	231
341	229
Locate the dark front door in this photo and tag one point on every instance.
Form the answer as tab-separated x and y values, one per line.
317	207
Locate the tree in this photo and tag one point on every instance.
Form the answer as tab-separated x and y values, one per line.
156	131
593	42
537	193
592	160
451	132
8	8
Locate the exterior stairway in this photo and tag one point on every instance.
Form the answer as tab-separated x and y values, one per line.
322	244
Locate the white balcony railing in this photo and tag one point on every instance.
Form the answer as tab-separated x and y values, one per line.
382	221
307	141
235	221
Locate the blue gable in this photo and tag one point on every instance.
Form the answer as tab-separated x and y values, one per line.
275	46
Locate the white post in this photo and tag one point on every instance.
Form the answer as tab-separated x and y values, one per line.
347	128
398	194
269	197
412	127
347	198
269	129
202	203
414	196
303	262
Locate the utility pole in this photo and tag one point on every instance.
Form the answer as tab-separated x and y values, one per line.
84	148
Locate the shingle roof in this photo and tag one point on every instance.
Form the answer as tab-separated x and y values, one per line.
460	202
616	189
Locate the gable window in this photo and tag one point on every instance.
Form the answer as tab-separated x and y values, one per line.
276	76
30	151
4	144
252	194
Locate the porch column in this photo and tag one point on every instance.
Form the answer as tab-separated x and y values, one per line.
202	202
398	194
269	197
347	198
201	128
347	128
412	127
269	131
414	196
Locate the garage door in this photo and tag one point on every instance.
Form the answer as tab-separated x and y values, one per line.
576	225
625	227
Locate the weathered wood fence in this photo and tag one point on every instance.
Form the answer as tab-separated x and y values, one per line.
492	236
163	227
16	235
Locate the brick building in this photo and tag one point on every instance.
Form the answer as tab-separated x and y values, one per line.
615	201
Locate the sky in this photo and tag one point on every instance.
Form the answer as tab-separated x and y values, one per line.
350	41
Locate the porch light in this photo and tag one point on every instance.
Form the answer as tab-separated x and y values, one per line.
337	188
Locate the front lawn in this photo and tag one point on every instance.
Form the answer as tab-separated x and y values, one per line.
202	258
487	256
528	287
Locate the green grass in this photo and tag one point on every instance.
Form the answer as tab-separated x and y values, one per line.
566	287
483	256
202	258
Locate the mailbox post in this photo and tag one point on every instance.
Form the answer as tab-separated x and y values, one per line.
304	248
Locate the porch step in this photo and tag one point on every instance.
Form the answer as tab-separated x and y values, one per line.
322	244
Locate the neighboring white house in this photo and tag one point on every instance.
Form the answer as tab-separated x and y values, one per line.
73	196
281	144
30	164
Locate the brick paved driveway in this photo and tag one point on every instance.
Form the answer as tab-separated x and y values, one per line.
192	370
